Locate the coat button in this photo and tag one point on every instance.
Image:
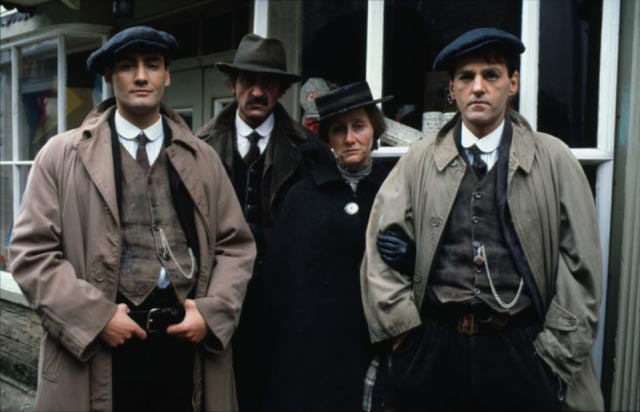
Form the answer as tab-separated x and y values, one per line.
478	195
454	163
99	276
476	291
475	219
417	277
476	244
435	221
149	180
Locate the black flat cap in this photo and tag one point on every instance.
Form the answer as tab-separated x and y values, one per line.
477	39
136	37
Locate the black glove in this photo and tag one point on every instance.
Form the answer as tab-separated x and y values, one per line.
397	251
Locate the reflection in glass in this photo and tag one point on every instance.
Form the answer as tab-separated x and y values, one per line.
415	31
569	69
6	131
334	37
84	89
38	96
6	214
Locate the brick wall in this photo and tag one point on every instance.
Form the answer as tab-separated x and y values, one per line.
20	333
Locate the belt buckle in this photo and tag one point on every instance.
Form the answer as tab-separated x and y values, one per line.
467	324
150	319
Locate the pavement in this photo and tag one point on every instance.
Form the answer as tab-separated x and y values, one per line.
15	396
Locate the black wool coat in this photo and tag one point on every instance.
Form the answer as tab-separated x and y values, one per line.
320	347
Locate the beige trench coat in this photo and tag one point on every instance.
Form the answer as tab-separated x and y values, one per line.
65	254
554	217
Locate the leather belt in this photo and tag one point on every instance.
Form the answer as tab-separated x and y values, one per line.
156	320
479	319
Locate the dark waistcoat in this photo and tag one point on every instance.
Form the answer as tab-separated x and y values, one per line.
151	233
474	222
247	183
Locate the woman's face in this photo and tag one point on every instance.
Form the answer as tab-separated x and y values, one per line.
351	137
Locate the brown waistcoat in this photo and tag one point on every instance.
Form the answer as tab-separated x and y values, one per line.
151	233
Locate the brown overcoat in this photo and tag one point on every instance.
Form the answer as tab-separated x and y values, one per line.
65	256
554	219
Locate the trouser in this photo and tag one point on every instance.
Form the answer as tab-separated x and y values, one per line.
250	342
155	374
439	368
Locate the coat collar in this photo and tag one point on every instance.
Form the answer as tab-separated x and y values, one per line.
220	133
522	144
93	144
329	174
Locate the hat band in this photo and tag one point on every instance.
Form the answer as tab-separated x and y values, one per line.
363	96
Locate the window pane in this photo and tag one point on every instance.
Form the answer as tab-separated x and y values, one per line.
569	68
6	131
84	89
6	214
38	96
415	31
334	38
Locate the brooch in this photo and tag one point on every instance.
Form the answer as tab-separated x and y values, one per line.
351	208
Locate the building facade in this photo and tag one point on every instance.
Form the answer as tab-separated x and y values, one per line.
579	81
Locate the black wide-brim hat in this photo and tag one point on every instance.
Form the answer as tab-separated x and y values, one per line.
136	37
260	55
345	98
477	39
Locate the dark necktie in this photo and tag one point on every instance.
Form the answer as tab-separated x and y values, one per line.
141	153
479	165
254	150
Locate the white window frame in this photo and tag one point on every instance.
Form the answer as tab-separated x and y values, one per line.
601	155
8	288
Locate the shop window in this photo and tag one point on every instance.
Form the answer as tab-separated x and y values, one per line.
334	37
38	96
414	33
569	70
40	102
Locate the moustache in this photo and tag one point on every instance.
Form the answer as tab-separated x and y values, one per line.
261	100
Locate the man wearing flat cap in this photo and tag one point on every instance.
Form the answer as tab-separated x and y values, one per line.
264	152
133	250
499	307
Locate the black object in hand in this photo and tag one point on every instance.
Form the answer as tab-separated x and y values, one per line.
397	251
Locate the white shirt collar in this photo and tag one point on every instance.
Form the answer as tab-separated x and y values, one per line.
487	144
265	129
129	131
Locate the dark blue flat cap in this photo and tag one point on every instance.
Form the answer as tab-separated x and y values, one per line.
477	39
136	37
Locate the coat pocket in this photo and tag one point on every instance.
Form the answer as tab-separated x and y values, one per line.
51	359
560	319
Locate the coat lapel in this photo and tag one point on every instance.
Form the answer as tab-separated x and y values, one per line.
180	155
94	150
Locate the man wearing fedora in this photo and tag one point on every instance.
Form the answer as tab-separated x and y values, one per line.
499	308
264	152
133	250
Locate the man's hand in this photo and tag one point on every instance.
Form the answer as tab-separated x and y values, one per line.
121	328
193	327
397	251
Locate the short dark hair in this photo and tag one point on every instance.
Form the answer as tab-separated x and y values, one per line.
232	75
490	55
375	117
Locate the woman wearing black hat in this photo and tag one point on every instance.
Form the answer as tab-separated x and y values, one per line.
320	342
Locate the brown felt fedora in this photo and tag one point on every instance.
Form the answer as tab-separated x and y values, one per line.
260	55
